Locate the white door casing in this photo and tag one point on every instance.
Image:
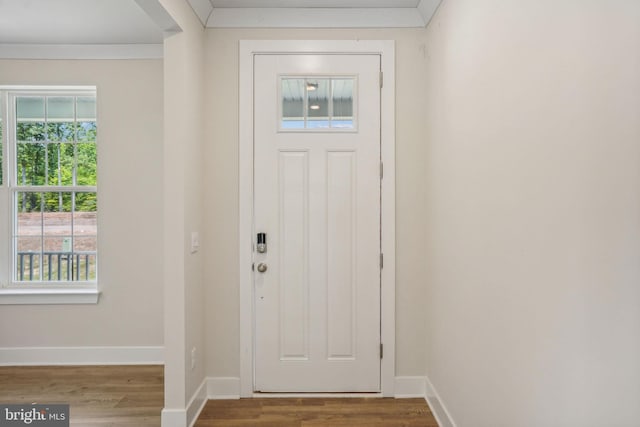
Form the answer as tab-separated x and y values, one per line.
317	198
249	50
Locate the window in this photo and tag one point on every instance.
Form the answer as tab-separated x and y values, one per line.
1	143
51	184
317	104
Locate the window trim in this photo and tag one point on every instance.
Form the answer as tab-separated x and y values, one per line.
42	292
12	296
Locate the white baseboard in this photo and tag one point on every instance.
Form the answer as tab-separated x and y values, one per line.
47	356
197	402
407	387
438	409
223	388
211	388
186	417
173	418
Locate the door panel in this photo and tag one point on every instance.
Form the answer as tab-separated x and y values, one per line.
294	237
317	198
341	253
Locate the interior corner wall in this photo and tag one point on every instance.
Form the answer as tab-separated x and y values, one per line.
221	191
533	195
129	313
183	210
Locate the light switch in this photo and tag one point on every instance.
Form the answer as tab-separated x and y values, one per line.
195	242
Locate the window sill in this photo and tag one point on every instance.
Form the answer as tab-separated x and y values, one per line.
48	296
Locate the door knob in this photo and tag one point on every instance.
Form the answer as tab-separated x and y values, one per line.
262	267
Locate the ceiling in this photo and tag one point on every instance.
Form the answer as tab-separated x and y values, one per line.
314	13
140	22
76	22
315	3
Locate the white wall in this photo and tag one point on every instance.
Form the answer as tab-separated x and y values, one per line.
183	211
130	203
221	191
532	179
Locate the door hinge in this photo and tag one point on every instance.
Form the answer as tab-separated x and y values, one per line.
381	260
381	350
381	79
381	170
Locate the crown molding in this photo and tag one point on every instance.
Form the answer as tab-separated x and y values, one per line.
316	17
427	9
202	9
158	14
81	51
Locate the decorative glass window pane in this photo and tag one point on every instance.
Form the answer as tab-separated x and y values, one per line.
30	109
87	163
29	213
30	164
87	131
57	221
61	131
30	131
342	103
318	94
60	109
61	158
317	103
293	94
86	108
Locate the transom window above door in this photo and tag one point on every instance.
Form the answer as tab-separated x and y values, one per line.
318	103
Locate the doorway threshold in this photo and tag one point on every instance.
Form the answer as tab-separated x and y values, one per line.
260	394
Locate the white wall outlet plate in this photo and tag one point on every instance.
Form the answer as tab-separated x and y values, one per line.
195	241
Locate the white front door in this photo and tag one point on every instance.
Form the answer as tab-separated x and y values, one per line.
317	201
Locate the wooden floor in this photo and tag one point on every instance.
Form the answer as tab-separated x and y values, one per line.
99	396
132	396
329	412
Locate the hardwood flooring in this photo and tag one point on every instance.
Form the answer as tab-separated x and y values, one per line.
99	396
316	412
133	396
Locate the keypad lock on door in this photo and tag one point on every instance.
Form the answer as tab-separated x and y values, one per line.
262	243
261	247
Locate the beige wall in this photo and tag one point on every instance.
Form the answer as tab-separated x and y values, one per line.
532	179
518	208
221	191
184	322
130	201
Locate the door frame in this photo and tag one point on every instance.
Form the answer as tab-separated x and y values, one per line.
247	51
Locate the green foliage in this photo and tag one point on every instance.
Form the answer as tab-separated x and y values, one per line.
52	154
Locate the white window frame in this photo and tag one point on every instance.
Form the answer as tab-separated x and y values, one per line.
11	292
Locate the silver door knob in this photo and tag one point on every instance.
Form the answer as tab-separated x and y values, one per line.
262	267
